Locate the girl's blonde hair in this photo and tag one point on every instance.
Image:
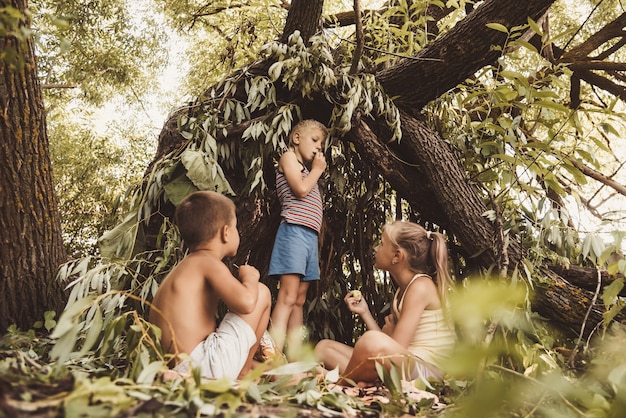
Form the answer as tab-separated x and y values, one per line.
426	251
306	124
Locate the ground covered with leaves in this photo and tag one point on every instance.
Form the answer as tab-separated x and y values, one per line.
592	384
508	362
31	387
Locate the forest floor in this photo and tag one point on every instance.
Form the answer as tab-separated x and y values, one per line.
40	400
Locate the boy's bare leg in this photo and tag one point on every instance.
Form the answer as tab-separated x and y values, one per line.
295	323
285	302
258	319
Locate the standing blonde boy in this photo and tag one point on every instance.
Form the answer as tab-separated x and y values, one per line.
295	254
185	305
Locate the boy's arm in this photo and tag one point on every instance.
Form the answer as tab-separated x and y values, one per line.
240	296
292	169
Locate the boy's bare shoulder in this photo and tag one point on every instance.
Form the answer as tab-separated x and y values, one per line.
206	259
195	265
288	155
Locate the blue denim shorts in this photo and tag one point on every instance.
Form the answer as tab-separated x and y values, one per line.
295	252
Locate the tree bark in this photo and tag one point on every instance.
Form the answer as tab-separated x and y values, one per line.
459	53
32	246
586	278
305	17
569	308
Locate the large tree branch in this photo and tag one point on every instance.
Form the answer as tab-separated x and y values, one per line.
434	11
612	30
434	183
582	64
596	175
459	53
603	83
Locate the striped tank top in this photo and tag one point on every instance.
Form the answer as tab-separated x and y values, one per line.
306	211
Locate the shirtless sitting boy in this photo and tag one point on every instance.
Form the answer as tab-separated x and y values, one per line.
185	305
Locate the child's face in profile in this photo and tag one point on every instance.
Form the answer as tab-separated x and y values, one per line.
308	142
233	236
385	252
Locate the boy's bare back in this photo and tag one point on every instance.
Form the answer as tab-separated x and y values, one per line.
188	298
188	302
185	305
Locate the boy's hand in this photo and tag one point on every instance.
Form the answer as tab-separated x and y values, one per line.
319	161
248	273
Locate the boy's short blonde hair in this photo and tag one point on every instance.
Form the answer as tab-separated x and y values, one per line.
307	124
200	215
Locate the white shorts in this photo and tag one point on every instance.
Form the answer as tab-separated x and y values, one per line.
224	352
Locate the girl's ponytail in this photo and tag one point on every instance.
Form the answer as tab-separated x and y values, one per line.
439	259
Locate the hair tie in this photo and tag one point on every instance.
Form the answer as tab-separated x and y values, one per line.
428	235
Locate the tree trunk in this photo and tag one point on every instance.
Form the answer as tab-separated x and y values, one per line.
303	16
32	246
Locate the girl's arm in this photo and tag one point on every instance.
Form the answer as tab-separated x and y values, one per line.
292	169
359	306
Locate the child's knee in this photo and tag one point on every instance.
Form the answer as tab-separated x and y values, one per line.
265	295
371	342
321	348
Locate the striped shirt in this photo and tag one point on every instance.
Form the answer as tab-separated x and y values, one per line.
306	211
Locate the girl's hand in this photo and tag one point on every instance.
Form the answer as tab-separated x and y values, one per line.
390	324
355	302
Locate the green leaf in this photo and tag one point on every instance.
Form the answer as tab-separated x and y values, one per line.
292	368
549	104
586	248
333	375
204	172
611	292
274	70
148	373
597	245
94	331
64	346
216	386
526	45
69	318
497	26
120	241
177	189
535	27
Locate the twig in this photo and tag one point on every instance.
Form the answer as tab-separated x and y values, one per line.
582	327
358	51
532	379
